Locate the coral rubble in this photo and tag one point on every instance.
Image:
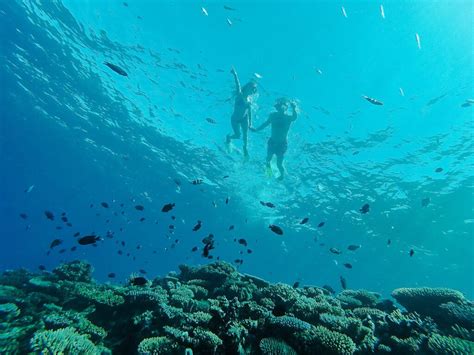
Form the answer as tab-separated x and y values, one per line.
213	309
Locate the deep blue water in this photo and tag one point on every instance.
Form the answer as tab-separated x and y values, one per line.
82	135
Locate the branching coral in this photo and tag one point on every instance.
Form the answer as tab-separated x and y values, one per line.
273	346
440	345
324	341
64	340
77	270
157	345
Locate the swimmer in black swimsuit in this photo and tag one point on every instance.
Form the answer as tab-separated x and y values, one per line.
242	116
281	122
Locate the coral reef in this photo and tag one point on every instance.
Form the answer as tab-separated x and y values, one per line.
213	309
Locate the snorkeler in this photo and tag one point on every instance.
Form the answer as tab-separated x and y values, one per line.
242	116
281	122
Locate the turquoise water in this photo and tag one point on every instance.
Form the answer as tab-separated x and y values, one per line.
82	135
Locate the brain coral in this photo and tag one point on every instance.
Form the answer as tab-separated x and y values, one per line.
320	340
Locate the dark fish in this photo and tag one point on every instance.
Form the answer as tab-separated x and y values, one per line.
197	226
142	219
231	227
435	100
208	239
64	218
168	207
49	215
228	8
296	284
23	215
139	207
211	120
116	69
171	226
68	224
425	202
335	251
42	267
73	248
373	101
207	248
123	243
225	176
139	247
197	182
466	104
173	217
276	229
304	220
354	247
120	252
267	204
438	170
329	289
365	208
348	266
88	239
77	234
62	251
111	275
55	243
343	282
59	227
227	200
138	281
389	242
194	249
239	261
249	251
412	252
104	204
279	310
243	242
142	271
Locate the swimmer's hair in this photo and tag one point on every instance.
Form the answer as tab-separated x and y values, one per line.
251	86
281	101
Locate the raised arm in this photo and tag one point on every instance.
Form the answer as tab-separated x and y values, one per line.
236	79
294	116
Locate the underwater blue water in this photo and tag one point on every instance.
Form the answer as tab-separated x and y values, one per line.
81	134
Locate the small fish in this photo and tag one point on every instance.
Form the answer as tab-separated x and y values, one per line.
197	182
412	252
42	267
62	251
227	200
231	227
402	92
142	219
211	120
225	176
111	275
139	207
239	261
418	40
425	202
73	248
438	170
88	239
249	251
207	248
296	284
49	215
138	281
258	76
194	249
242	241
59	227
104	204
335	251
197	226
347	265
64	218
321	224
55	243
304	220
168	207
116	69
228	8
365	208
171	226
229	22
123	243
23	215
344	13
142	271
319	71
354	247
29	189
343	282
267	204
68	224
77	234
373	101
204	11
275	229
120	252
389	241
